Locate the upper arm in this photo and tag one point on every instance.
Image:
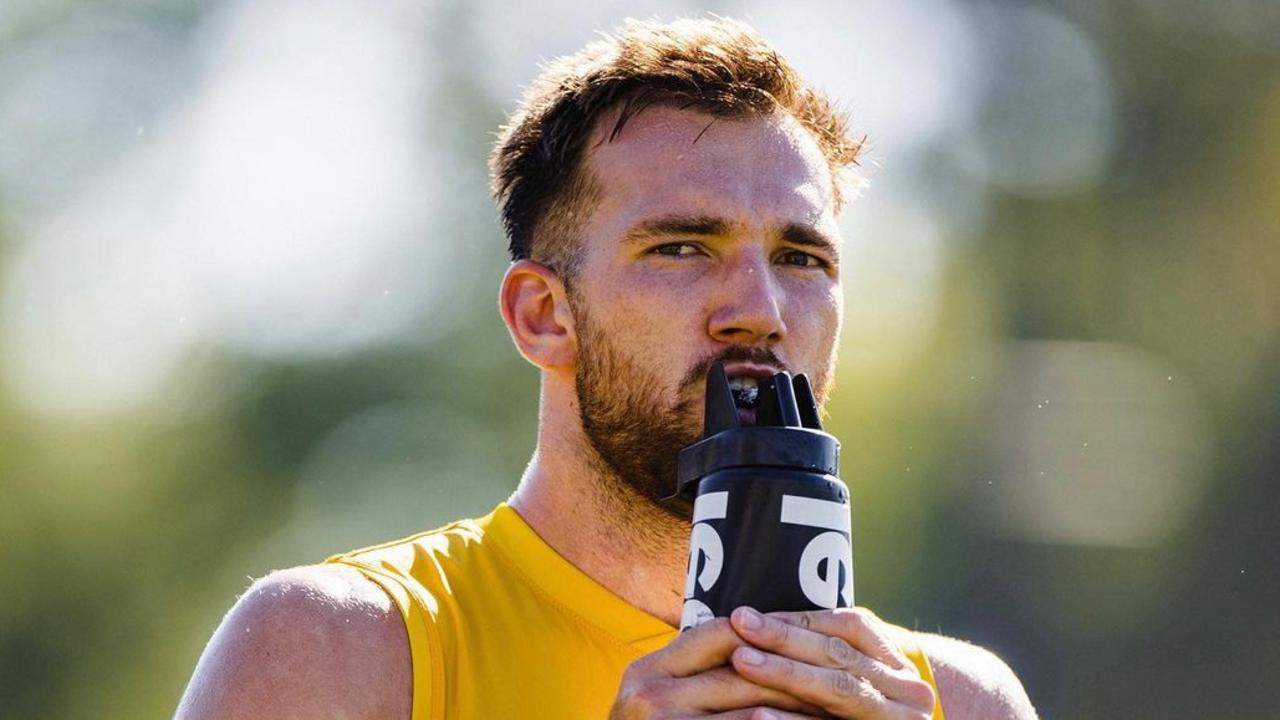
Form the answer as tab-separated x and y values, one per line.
310	642
973	682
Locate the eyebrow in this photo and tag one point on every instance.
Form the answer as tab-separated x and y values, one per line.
677	225
709	225
806	236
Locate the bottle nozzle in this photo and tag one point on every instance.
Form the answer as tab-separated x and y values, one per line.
777	403
806	403
721	413
782	401
786	433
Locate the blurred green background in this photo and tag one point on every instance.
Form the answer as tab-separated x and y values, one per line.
248	272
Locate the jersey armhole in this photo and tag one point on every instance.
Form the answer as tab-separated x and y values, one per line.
916	654
417	610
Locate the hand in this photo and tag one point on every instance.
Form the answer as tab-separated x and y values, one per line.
691	677
842	661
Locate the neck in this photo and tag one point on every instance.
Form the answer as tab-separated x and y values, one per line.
602	527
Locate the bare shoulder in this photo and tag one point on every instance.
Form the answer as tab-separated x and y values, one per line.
319	641
974	682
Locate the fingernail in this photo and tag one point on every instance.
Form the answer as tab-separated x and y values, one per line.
751	619
765	715
750	656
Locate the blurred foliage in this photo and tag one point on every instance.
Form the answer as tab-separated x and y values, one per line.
124	537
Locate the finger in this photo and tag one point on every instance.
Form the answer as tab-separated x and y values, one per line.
812	648
838	692
858	626
723	689
701	648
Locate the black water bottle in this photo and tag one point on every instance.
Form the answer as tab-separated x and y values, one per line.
771	524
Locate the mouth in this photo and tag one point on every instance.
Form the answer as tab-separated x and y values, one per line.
746	390
744	384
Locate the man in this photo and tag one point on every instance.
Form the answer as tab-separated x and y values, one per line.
670	196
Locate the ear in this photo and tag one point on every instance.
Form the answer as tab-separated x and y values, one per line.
536	309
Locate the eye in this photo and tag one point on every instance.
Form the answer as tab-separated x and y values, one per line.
676	250
800	258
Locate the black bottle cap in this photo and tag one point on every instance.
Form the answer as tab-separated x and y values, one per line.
787	433
806	404
721	412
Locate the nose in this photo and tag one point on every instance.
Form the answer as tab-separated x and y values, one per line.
748	310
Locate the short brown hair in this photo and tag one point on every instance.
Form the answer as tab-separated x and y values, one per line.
715	65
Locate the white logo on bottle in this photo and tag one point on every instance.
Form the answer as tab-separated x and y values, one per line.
704	545
833	547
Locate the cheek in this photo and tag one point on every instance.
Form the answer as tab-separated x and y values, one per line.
667	300
818	336
819	307
648	313
836	301
815	324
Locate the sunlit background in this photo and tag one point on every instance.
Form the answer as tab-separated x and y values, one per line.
248	271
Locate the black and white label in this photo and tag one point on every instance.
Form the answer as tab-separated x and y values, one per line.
829	551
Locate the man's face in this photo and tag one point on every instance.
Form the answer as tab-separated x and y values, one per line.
712	239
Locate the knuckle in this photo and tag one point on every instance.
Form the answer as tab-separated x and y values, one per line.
857	694
715	626
708	633
844	685
720	681
721	624
781	632
867	614
858	619
625	707
645	698
869	696
839	651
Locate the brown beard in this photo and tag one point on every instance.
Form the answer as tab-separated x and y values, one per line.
624	414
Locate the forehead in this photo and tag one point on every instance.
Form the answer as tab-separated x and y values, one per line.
754	170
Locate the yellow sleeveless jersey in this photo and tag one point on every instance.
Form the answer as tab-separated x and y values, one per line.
500	625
